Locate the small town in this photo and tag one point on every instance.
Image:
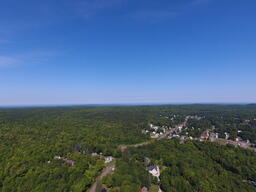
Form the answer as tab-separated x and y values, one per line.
180	132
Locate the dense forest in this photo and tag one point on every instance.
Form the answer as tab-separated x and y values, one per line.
38	144
192	167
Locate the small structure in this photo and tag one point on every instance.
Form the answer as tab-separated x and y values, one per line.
69	162
57	157
144	189
238	139
95	154
205	135
122	148
146	161
226	135
154	135
154	170
214	136
180	128
182	139
108	159
154	127
253	183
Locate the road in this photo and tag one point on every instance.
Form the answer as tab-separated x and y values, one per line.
107	170
164	136
235	143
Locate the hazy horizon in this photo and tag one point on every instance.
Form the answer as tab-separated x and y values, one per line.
119	104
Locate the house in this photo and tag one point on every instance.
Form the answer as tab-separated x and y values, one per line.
205	135
238	139
94	154
57	157
154	170
153	127
226	135
253	183
214	136
154	135
69	162
182	139
144	189
108	159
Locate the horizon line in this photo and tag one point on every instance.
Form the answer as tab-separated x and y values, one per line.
124	104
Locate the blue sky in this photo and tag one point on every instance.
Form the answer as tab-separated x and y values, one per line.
127	51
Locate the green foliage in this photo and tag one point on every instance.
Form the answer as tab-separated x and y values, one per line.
196	166
31	137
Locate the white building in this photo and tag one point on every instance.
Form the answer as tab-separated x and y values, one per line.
154	135
226	135
154	170
57	157
108	159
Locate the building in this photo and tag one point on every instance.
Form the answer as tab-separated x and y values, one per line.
154	135
144	189
70	162
153	127
205	135
57	157
95	154
67	161
214	136
226	135
108	159
180	128
154	170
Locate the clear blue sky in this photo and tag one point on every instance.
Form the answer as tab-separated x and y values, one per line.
127	51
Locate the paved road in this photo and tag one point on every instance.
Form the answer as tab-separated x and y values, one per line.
164	136
235	143
107	170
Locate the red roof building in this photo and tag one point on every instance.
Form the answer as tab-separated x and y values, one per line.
144	189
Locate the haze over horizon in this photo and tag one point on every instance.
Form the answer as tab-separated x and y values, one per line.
125	51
